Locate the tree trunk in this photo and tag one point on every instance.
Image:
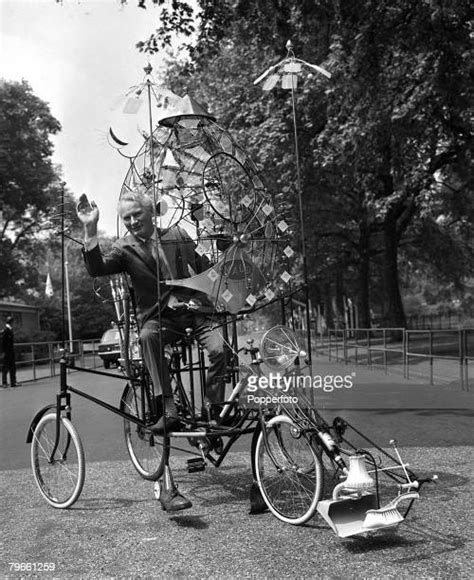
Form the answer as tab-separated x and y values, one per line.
338	300
395	314
327	305
363	298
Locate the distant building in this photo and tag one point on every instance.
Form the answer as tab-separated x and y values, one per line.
26	317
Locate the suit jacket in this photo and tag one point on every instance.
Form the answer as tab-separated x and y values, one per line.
129	255
8	342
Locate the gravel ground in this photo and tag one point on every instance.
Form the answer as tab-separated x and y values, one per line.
117	528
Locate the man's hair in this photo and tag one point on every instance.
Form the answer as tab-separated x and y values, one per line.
136	197
9	319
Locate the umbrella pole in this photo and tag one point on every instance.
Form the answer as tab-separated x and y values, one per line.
302	233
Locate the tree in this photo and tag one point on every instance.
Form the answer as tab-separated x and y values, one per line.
91	315
392	123
28	180
33	202
400	111
221	75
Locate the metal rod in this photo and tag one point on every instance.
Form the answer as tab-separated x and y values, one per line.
148	70
109	407
68	301
301	218
63	287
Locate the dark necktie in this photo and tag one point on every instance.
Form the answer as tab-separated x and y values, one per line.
153	246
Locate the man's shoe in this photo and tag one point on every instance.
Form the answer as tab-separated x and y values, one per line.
4	386
227	421
173	501
173	423
17	385
230	420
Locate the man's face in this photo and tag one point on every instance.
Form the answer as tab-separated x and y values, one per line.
136	219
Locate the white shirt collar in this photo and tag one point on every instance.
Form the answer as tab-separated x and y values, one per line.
152	237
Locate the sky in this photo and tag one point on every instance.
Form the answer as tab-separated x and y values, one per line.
80	57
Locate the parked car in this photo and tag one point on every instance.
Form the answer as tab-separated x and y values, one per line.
109	347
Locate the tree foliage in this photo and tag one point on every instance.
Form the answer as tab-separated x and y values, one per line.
397	117
28	179
35	207
91	311
27	175
177	18
385	145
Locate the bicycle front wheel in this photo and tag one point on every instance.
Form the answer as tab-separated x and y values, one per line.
146	450
59	478
288	471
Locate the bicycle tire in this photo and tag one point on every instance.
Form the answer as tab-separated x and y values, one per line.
288	471
146	450
253	448
60	482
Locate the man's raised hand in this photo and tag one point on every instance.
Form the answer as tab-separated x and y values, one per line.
88	213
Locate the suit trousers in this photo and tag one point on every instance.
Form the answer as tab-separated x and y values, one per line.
174	324
9	366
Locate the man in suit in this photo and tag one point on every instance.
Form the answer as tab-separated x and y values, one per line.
8	346
134	254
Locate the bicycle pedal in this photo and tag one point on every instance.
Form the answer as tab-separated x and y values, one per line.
196	464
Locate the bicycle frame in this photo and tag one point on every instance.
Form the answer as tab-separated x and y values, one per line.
202	433
356	496
148	399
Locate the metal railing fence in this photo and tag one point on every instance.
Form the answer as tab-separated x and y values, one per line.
443	355
38	360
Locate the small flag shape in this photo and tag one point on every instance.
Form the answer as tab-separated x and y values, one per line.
49	286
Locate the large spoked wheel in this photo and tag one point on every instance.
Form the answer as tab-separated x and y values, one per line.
288	471
147	451
60	478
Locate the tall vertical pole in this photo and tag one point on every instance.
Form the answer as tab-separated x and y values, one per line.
301	217
148	70
68	301
63	285
289	68
167	483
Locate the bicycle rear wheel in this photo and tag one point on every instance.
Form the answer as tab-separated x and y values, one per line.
60	479
146	450
288	471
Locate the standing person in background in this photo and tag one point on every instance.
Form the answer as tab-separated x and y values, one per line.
8	345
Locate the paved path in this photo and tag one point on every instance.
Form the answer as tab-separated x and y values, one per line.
117	528
386	406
